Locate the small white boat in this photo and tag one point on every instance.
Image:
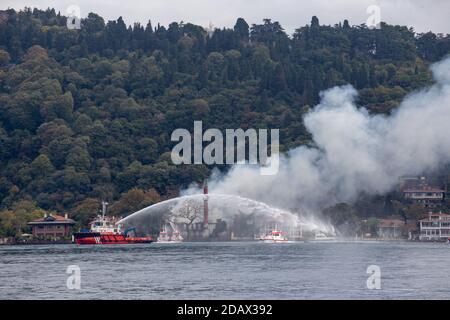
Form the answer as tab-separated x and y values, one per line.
164	236
275	236
176	237
320	236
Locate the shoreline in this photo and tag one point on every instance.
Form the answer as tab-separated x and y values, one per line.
343	240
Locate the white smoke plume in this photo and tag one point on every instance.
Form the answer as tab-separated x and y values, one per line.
354	152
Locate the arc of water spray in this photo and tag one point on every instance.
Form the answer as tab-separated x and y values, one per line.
229	205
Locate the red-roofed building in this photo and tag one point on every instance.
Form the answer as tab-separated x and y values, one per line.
52	226
390	228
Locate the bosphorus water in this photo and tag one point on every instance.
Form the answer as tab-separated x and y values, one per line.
227	270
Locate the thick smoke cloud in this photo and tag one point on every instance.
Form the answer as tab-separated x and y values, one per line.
354	152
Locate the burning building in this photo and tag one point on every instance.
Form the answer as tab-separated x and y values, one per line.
200	227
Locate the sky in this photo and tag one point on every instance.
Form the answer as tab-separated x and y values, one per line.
423	15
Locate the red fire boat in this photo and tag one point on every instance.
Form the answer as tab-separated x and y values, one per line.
105	230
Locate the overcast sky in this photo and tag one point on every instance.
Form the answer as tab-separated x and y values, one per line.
423	15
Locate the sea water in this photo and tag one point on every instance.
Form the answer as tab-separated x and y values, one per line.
227	270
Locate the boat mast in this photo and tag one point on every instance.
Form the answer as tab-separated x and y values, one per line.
104	204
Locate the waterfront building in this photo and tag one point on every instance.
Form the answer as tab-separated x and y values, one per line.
436	227
52	226
390	228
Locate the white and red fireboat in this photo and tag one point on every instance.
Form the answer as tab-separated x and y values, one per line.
106	230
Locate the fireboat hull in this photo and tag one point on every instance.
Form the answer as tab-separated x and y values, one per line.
107	238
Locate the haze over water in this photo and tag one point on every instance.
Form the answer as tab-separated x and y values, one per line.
227	270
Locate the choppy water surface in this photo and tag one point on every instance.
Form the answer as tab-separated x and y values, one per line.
227	270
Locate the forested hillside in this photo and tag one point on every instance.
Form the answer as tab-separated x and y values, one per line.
87	114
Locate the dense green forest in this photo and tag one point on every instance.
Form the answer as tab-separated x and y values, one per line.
87	114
